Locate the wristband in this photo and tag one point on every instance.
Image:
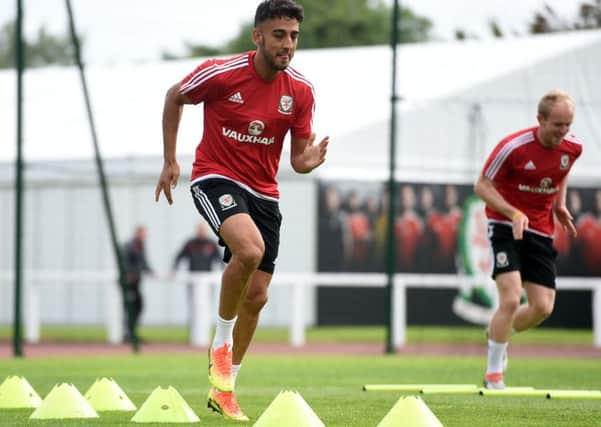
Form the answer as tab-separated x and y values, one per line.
516	214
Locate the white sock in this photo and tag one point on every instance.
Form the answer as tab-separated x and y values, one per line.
495	357
224	330
235	370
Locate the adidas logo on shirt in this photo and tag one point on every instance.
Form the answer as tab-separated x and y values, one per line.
237	98
530	166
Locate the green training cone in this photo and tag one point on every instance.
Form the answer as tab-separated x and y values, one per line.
165	406
16	392
289	409
64	401
410	411
106	395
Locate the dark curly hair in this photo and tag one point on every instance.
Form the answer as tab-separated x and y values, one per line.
270	9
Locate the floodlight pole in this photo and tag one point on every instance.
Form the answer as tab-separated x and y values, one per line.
20	65
102	178
390	232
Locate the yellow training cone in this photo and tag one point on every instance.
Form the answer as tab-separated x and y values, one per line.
106	395
165	406
16	392
410	411
289	409
64	401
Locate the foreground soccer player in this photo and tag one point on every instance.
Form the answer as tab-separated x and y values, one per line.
250	102
523	180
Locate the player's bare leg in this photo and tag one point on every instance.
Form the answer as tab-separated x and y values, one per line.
246	244
539	306
244	300
509	286
248	313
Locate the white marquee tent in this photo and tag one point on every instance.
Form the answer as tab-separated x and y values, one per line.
442	86
458	100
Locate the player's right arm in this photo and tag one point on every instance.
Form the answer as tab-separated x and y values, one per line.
172	112
485	189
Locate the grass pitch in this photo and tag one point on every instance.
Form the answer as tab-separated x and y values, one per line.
330	385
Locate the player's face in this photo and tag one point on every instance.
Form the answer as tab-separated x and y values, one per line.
554	128
276	41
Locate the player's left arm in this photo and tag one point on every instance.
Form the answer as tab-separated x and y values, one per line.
561	211
305	155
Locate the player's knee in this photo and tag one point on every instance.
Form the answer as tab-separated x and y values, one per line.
254	302
251	255
542	309
510	305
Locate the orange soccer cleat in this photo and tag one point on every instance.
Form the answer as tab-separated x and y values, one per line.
220	368
225	403
494	381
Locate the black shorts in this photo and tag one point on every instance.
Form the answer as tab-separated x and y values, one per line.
217	199
533	256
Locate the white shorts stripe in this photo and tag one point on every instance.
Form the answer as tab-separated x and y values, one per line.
207	207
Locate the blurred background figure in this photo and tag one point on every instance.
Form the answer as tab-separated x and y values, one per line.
562	242
408	229
135	263
201	253
381	231
373	205
589	237
428	247
569	248
360	233
574	264
452	220
332	248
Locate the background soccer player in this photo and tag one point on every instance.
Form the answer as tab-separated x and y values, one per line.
251	101
523	180
136	265
201	253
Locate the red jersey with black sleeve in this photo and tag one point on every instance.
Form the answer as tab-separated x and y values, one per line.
527	174
246	119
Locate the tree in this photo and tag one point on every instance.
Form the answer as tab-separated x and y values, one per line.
340	23
45	49
589	15
462	35
547	21
495	29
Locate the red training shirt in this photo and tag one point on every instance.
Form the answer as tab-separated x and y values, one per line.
246	119
527	174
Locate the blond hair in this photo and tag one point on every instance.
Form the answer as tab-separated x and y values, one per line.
551	98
